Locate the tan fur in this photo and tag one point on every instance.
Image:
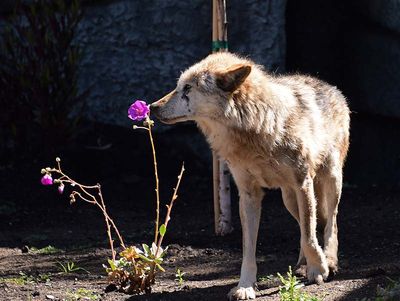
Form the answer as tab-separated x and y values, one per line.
289	132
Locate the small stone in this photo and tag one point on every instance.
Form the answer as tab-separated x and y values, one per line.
50	297
110	288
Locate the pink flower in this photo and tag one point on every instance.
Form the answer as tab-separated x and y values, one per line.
139	110
47	180
61	188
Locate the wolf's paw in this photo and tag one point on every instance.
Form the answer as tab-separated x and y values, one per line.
317	274
224	228
300	270
242	293
332	265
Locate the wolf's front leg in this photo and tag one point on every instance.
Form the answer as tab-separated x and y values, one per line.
250	211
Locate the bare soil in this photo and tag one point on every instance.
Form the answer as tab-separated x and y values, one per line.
36	216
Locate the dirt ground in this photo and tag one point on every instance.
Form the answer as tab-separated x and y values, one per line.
35	216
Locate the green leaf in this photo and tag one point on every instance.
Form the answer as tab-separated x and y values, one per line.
160	267
145	258
112	264
163	229
164	252
146	249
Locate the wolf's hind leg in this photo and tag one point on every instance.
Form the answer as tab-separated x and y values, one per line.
317	267
290	201
332	191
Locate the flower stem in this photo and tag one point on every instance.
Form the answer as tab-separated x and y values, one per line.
167	218
149	125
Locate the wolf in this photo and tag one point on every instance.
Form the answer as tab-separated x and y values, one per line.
274	131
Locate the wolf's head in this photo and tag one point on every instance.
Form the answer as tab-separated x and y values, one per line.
204	89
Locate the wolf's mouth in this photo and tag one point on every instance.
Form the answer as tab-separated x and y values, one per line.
172	120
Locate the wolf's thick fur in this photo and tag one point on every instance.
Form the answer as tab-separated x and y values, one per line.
287	132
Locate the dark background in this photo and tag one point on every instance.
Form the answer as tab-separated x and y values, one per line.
355	45
136	49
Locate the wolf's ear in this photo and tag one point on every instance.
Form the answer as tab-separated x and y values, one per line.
233	77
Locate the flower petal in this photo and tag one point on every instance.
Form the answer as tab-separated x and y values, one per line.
139	110
47	180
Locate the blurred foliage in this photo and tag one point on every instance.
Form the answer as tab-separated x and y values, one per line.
45	250
38	74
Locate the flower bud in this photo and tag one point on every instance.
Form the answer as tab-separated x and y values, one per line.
47	180
61	188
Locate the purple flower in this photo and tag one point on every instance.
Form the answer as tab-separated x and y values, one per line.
139	110
47	180
61	188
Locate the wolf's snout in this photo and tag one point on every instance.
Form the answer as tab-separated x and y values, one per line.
155	108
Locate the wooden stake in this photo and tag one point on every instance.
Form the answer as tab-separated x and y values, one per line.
221	179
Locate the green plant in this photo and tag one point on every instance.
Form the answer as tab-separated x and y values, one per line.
38	72
290	290
45	250
389	293
43	278
82	294
266	278
134	270
70	267
24	279
179	276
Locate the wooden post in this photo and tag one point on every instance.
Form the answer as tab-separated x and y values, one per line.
221	178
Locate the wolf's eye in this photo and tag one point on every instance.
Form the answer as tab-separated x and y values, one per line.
186	89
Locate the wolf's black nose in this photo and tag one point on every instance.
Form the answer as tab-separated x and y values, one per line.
154	108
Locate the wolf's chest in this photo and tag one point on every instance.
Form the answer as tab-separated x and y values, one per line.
250	156
266	172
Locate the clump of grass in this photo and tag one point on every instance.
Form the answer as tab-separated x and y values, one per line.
266	278
179	276
389	293
24	279
290	289
45	250
70	267
82	294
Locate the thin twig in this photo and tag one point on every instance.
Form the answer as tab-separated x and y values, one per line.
84	188
171	204
107	222
167	217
